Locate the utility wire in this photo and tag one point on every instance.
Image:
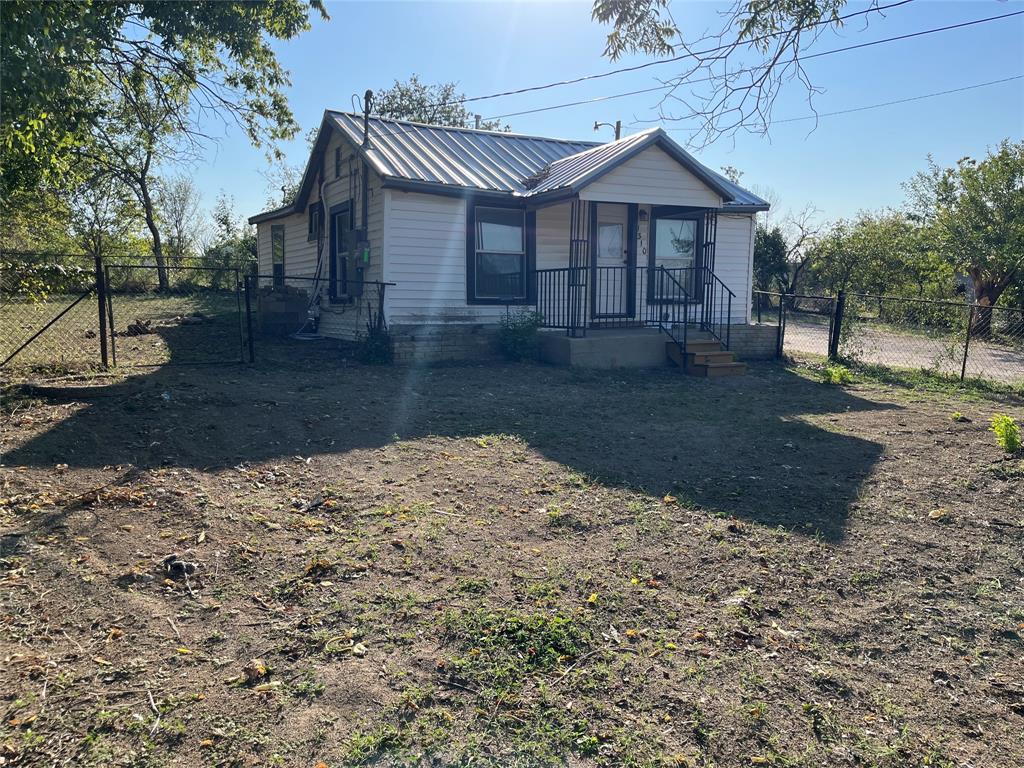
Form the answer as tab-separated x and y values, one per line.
681	57
804	58
830	52
898	101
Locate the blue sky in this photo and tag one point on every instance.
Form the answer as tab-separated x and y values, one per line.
849	162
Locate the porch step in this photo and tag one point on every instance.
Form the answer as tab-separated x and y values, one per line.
706	359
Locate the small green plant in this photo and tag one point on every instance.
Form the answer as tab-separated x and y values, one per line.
1007	432
519	336
836	374
959	417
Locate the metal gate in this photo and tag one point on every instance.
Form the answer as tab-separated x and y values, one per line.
174	315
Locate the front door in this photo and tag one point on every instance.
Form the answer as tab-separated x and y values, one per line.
611	274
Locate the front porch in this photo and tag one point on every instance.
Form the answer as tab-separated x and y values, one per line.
634	277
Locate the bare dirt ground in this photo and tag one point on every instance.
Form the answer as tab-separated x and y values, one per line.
808	334
507	565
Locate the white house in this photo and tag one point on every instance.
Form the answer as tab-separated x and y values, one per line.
464	226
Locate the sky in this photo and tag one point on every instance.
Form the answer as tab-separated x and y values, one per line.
845	164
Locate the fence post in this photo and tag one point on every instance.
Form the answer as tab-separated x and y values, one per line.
967	340
837	326
782	326
110	315
248	319
760	297
101	305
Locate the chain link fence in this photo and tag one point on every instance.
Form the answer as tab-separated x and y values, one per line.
956	340
49	318
178	314
57	317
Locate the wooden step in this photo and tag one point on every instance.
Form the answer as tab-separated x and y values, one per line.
717	370
703	358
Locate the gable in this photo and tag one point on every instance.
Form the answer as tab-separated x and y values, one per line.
652	176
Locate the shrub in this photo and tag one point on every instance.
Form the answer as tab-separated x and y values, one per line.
836	374
518	336
1007	432
375	348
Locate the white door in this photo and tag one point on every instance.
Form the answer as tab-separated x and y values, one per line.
611	268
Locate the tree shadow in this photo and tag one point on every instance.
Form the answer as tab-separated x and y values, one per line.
759	447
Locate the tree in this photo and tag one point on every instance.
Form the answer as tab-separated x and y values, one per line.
767	40
771	267
178	206
801	230
975	213
137	131
59	57
234	243
105	216
439	104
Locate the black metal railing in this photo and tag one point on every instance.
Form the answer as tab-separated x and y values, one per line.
668	298
716	306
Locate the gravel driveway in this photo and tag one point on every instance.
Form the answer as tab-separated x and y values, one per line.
809	334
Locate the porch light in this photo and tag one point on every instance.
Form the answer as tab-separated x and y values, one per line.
643	214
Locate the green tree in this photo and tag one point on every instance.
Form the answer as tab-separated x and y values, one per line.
975	213
438	104
59	57
771	266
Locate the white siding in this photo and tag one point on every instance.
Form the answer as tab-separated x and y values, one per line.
426	259
734	260
652	177
340	320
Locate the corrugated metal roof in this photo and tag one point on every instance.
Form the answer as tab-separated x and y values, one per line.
461	157
508	163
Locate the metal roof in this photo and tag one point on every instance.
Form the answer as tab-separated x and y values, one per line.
461	157
444	158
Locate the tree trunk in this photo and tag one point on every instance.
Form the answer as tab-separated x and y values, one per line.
149	211
986	294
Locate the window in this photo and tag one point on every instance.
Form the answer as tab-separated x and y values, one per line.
316	215
277	254
498	264
675	246
337	162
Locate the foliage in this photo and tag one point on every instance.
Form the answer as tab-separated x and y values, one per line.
438	104
975	216
178	206
499	649
767	37
234	242
836	374
771	266
36	220
59	58
376	347
518	336
1007	432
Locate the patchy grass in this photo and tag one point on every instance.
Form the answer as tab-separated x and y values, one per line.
509	566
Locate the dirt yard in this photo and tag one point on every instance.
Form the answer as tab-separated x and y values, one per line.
507	566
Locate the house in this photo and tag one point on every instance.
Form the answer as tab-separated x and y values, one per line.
619	247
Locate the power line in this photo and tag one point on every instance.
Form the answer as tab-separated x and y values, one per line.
819	54
898	101
681	57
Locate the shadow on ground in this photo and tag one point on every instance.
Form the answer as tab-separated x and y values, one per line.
746	447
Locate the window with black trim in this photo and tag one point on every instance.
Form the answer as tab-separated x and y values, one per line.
337	162
315	221
498	255
277	254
